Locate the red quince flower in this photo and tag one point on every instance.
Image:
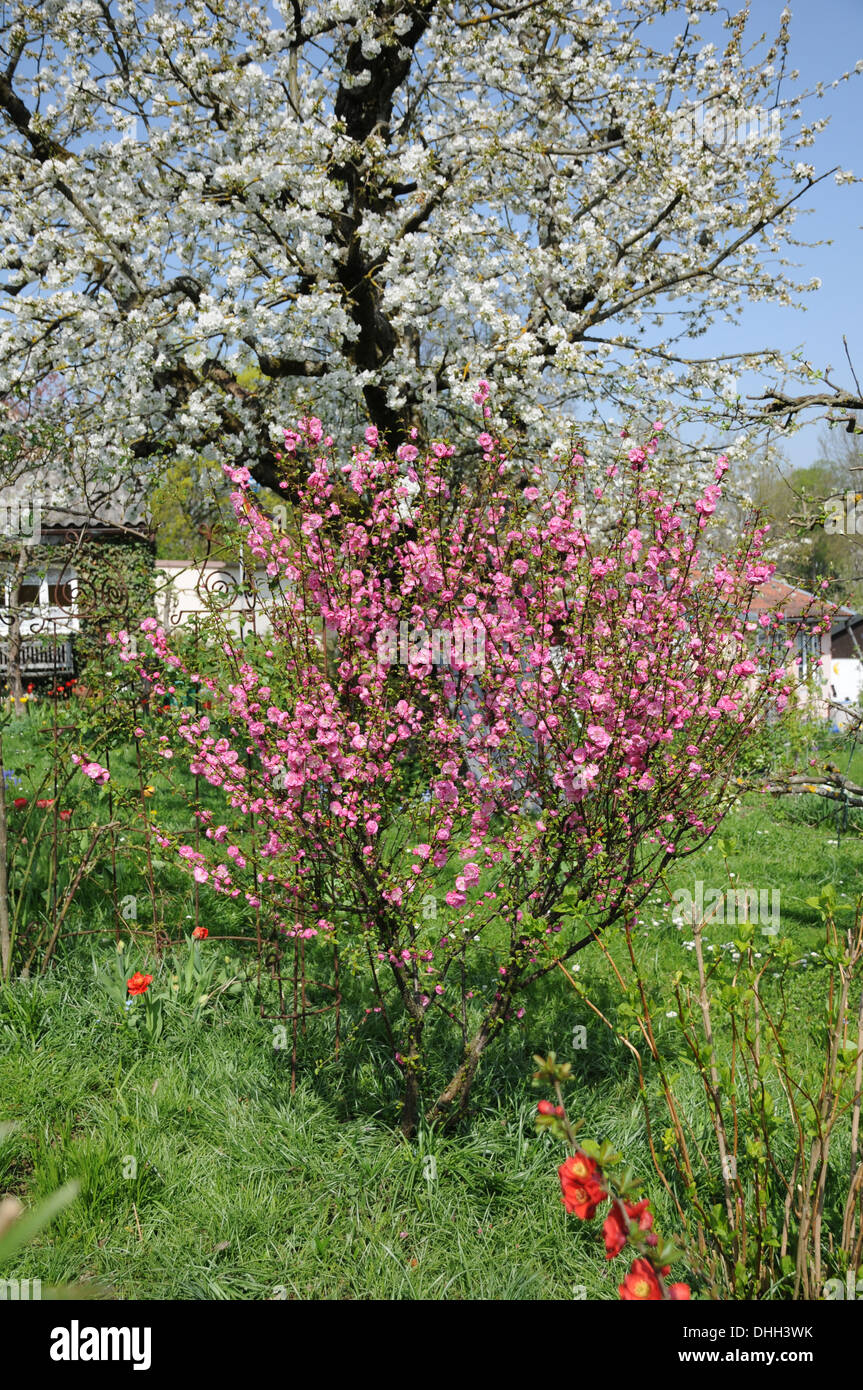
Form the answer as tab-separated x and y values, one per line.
581	1191
65	815
19	803
545	1107
615	1228
45	803
139	984
640	1213
641	1283
679	1291
200	933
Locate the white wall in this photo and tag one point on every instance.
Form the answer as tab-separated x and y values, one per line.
182	591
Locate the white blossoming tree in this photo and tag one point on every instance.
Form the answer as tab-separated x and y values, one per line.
218	212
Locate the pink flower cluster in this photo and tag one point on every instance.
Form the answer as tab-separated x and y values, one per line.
98	774
598	740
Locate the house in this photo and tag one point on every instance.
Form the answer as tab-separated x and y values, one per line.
188	592
847	637
51	588
801	612
846	666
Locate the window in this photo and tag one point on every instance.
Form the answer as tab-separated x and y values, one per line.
28	593
60	594
769	646
807	645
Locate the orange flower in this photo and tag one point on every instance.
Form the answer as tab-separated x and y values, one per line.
581	1191
139	984
641	1282
200	933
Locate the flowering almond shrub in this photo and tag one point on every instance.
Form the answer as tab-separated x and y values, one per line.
475	732
594	1175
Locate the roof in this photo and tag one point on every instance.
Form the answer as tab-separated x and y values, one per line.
774	595
196	564
844	619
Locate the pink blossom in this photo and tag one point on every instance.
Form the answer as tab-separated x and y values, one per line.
391	790
599	737
98	774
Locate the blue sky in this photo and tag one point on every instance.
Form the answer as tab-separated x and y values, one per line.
826	40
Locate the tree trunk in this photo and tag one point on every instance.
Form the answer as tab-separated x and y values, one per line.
451	1104
411	1102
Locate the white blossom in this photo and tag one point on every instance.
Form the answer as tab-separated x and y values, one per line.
200	190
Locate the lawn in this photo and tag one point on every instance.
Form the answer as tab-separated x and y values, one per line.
203	1176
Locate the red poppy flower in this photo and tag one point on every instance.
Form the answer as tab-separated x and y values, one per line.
641	1283
19	803
139	984
201	933
581	1191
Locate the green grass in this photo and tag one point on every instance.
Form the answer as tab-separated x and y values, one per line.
242	1190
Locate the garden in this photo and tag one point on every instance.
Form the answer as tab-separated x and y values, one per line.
317	964
431	680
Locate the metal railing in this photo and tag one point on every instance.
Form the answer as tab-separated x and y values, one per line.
39	658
